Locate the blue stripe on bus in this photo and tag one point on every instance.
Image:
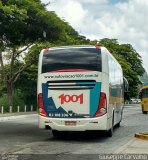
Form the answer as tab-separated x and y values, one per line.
51	108
45	95
95	98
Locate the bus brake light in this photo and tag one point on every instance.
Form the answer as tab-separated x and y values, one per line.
41	105
98	46
102	107
46	49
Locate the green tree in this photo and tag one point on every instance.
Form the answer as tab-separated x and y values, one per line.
24	24
130	61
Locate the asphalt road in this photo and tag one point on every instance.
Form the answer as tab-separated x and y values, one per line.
21	136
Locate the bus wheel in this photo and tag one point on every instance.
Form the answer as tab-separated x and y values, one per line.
118	124
55	133
110	132
58	133
144	112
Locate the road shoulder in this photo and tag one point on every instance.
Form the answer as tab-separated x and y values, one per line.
10	116
134	146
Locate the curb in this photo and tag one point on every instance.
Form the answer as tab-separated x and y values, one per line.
11	117
133	146
16	114
122	149
143	136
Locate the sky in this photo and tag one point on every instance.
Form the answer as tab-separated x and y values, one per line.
124	20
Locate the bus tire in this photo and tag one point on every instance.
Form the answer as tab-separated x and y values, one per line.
111	130
58	133
144	112
118	124
55	133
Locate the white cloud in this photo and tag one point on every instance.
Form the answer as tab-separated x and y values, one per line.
145	59
126	21
73	10
93	1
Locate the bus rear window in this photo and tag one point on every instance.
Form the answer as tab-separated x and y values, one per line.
72	58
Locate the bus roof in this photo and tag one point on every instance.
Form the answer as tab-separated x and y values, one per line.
75	46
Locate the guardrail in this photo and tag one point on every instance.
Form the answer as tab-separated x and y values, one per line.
18	109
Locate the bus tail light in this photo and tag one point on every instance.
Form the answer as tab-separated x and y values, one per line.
41	105
102	107
46	49
98	46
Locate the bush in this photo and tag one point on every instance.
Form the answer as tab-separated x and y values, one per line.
18	101
4	101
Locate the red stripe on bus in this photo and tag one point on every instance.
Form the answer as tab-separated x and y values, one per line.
72	70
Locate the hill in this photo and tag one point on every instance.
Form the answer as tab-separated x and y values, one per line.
144	79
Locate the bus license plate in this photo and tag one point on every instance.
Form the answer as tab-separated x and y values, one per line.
70	123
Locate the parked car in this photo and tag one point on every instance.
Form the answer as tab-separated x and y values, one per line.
135	101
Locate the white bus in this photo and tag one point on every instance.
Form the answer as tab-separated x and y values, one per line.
80	88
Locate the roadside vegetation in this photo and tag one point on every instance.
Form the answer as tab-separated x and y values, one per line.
26	27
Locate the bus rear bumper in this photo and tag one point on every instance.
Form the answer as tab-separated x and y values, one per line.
60	124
